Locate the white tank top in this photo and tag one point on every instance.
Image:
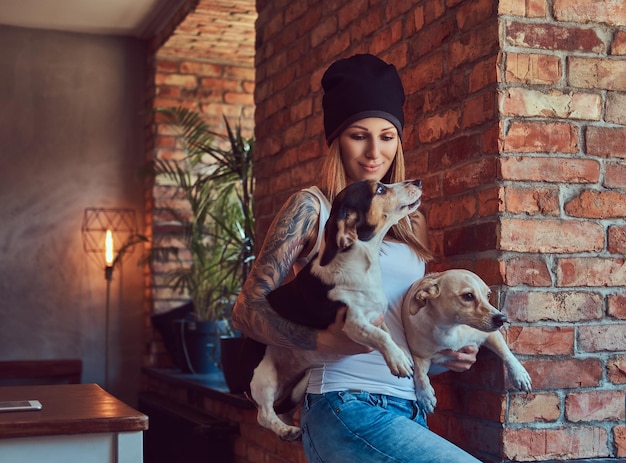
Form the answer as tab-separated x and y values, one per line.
369	372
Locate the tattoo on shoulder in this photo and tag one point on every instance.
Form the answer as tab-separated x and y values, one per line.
289	234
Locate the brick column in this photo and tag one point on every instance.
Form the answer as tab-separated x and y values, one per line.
515	123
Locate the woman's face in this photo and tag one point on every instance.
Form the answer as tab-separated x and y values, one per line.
368	147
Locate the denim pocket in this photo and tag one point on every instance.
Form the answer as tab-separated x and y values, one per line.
311	399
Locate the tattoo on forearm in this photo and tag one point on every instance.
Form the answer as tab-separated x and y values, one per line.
290	233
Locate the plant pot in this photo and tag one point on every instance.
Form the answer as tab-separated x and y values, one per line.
170	331
201	345
239	356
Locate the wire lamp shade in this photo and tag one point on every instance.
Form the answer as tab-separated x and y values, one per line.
96	222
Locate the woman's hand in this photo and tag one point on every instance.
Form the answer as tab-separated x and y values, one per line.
462	359
333	340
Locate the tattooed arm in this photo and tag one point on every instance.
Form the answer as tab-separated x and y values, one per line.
292	233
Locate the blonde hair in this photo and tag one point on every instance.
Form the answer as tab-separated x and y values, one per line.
412	231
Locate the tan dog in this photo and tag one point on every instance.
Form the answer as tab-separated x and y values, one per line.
449	310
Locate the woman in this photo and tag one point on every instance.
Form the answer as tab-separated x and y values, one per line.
355	409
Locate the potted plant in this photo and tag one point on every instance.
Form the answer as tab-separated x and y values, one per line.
217	229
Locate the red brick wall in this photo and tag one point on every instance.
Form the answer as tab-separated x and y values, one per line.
562	148
516	124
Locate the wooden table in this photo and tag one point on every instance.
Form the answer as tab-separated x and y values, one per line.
78	423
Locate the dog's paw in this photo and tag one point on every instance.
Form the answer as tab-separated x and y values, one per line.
290	434
521	380
426	399
400	364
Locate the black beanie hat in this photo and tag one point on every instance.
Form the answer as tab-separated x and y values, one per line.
359	87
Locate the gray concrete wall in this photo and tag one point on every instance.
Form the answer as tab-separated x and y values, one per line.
71	137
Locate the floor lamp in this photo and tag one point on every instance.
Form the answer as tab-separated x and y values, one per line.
102	231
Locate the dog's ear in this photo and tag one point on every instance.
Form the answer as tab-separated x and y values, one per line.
427	288
340	234
346	229
330	249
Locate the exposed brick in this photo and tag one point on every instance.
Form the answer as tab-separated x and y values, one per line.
165	92
165	65
489	139
616	107
390	35
218	85
617	306
591	271
527	8
596	73
324	29
602	338
553	37
560	373
549	169
534	306
478	43
201	69
489	270
487	405
532	69
240	73
429	39
532	201
597	205
563	443
619	436
591	11
615	175
470	239
606	141
453	152
464	178
294	10
466	434
488	202
525	270
176	80
478	109
555	104
619	43
434	128
300	110
595	406
471	14
541	340
238	98
525	137
616	369
530	408
454	90
448	213
483	74
550	236
367	24
284	78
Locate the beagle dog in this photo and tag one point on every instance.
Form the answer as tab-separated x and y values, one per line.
449	310
345	272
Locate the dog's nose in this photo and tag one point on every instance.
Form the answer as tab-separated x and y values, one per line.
417	183
499	319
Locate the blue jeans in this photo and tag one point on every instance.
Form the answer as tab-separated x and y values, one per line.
359	427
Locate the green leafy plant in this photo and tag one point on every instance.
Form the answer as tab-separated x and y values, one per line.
216	180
